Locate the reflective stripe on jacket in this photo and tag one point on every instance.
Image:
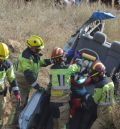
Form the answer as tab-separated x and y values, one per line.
60	87
59	77
7	72
104	95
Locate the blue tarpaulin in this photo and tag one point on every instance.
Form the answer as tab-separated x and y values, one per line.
98	15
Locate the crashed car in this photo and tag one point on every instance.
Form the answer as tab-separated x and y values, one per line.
90	36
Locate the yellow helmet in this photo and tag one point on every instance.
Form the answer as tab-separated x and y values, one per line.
35	41
4	51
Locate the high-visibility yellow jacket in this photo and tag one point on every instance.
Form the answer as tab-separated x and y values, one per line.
29	64
7	72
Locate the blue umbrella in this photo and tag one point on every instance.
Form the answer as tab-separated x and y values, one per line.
102	15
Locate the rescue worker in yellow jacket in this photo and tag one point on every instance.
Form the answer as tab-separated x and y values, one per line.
60	91
6	72
103	97
61	83
28	65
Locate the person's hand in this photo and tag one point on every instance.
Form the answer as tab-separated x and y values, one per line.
39	88
52	61
17	95
76	55
82	91
18	98
47	93
70	52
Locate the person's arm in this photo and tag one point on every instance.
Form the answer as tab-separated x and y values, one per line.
13	83
45	62
32	80
97	95
71	70
80	90
108	93
26	66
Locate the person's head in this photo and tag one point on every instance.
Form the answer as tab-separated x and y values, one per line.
4	52
57	55
97	71
35	43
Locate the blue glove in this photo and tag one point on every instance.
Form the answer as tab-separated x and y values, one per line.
76	55
82	91
39	88
70	52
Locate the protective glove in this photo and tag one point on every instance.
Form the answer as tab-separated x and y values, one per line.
48	62
82	91
39	88
18	97
48	92
70	52
76	55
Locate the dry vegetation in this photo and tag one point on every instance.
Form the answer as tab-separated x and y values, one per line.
19	20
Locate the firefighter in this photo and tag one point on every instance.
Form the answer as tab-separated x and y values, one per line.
103	98
60	73
28	65
60	93
78	112
6	71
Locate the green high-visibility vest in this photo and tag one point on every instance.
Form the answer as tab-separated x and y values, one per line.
59	77
28	64
104	95
6	74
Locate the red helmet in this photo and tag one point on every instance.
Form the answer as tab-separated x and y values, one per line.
98	69
57	55
57	52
